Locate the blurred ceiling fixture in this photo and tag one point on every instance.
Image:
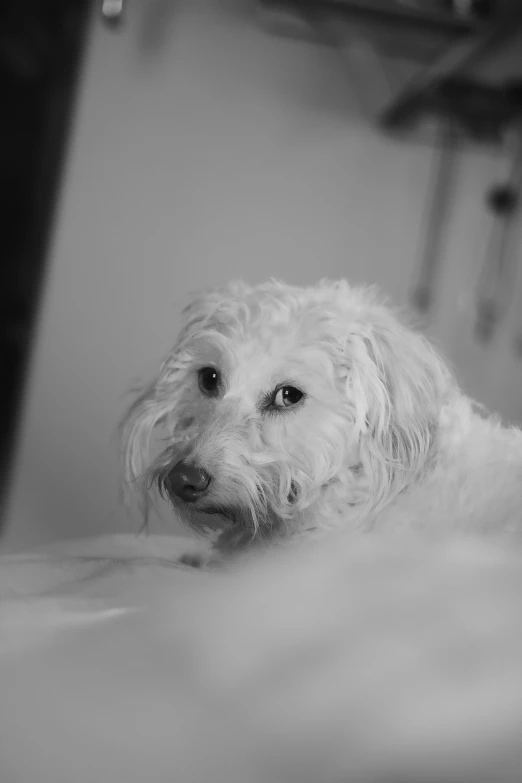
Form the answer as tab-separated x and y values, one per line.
439	42
424	66
112	12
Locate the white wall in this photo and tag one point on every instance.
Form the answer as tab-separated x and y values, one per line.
205	149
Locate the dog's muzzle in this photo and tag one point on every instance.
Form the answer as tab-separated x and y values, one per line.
187	482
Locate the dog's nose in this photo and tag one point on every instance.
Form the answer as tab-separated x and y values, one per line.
188	482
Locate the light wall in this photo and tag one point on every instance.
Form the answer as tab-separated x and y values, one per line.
205	149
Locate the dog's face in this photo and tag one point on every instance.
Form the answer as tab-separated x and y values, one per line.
278	399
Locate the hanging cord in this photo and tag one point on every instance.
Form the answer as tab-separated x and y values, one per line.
441	200
517	340
497	276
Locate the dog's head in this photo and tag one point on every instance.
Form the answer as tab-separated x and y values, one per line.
277	398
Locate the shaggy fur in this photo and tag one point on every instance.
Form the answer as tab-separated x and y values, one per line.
383	437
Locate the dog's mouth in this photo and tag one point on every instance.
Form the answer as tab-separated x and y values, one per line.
236	517
230	515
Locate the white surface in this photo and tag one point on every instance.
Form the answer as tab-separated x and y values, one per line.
205	149
74	565
356	660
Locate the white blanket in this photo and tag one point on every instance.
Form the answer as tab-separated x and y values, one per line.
75	565
355	660
79	582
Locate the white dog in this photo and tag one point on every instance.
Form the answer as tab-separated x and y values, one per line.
291	410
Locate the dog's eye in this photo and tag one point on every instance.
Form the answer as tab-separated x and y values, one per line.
287	396
209	381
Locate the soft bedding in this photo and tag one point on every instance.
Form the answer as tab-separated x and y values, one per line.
351	660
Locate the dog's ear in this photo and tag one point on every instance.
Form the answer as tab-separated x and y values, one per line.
154	407
136	430
155	403
397	383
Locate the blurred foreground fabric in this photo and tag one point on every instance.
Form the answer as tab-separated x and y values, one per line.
357	659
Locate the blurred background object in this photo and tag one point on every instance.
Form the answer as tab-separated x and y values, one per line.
40	48
425	66
377	140
112	11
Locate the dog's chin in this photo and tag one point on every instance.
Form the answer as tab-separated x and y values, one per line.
210	518
221	515
234	526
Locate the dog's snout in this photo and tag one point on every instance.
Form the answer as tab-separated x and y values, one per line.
188	482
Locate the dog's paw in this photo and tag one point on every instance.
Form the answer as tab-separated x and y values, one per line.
212	560
195	553
193	560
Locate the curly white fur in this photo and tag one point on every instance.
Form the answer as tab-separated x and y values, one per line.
383	434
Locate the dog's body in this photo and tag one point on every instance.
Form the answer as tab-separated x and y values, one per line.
304	410
474	484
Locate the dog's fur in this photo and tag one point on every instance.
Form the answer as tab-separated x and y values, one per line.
383	439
